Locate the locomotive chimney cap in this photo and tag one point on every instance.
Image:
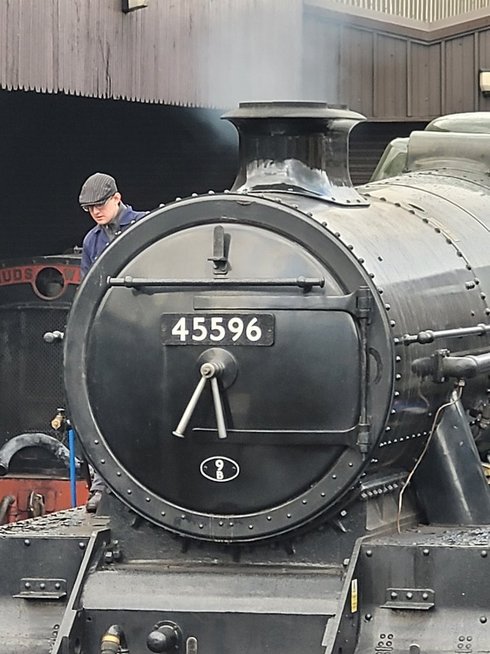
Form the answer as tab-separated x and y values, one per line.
296	147
293	109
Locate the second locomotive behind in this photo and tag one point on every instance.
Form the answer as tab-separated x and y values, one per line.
258	375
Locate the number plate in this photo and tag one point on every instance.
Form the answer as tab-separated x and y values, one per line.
217	329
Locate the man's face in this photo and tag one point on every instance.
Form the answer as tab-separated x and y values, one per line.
104	213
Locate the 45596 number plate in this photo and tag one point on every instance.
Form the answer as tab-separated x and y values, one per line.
217	329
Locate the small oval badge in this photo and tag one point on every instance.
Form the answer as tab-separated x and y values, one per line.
220	468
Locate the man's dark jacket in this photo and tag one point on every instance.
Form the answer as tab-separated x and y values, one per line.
97	239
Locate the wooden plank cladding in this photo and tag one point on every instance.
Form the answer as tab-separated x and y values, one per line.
215	53
184	52
394	71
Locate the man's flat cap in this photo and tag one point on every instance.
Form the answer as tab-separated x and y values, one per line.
98	188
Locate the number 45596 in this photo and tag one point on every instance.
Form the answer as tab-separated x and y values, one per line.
230	329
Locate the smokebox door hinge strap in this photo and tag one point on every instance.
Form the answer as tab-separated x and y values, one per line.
364	301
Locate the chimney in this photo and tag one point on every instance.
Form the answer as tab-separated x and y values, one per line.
295	147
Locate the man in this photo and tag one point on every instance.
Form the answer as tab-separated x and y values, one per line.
100	197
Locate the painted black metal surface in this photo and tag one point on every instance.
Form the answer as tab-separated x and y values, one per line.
244	371
422	592
317	453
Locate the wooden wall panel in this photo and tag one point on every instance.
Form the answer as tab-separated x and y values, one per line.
390	77
460	75
484	64
356	69
424	79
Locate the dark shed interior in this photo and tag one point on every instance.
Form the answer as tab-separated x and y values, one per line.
51	143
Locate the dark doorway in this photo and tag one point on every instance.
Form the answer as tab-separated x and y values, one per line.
51	143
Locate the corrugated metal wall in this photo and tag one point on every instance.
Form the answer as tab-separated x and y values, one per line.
186	52
393	77
423	10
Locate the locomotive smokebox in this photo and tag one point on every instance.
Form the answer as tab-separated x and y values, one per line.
295	147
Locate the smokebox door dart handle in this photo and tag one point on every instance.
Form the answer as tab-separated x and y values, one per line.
218	407
209	371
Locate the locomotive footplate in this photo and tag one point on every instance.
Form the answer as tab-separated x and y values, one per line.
422	591
41	561
260	610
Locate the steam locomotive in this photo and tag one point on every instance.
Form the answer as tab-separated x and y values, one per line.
285	388
35	296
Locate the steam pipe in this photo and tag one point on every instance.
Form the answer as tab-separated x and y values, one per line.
73	467
22	441
440	365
